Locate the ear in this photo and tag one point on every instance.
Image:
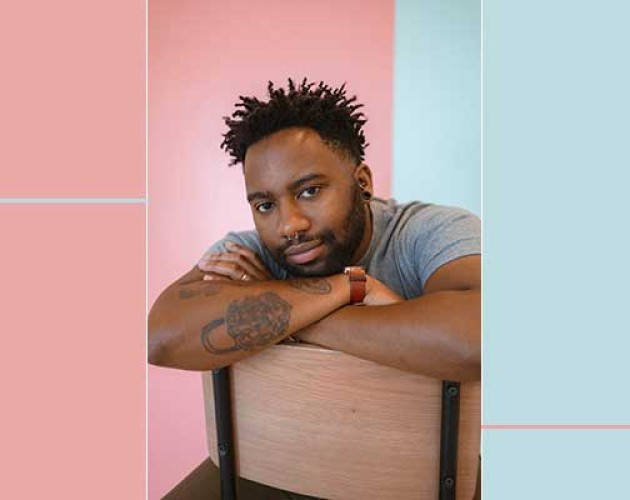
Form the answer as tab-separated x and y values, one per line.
363	177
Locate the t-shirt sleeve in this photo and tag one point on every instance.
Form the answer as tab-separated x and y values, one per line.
444	234
219	246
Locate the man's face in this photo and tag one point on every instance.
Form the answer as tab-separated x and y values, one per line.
306	202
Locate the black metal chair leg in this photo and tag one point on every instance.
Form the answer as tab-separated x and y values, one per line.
225	440
449	437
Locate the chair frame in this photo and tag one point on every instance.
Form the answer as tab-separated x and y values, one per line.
449	436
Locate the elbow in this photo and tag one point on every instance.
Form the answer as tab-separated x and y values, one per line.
164	349
466	370
158	332
470	352
469	365
166	332
470	372
156	353
164	344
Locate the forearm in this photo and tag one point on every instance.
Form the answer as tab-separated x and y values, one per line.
202	325
437	335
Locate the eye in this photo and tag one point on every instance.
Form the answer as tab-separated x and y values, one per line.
263	208
310	192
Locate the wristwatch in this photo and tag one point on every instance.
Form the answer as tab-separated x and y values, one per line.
356	275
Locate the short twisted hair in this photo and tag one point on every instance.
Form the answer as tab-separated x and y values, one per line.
328	111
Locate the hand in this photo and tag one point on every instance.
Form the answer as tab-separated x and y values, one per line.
238	263
379	294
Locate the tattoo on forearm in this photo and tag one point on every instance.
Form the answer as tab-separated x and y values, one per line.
200	289
318	286
250	323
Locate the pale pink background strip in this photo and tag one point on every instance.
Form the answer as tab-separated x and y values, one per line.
72	372
202	56
72	99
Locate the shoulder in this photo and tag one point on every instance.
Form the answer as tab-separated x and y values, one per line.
428	236
428	217
419	220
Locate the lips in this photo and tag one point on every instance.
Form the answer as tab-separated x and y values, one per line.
306	252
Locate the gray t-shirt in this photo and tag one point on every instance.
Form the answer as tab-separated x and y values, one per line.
409	242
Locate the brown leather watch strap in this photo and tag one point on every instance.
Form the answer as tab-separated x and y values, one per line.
356	275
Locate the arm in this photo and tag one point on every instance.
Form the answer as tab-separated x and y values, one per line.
437	334
197	324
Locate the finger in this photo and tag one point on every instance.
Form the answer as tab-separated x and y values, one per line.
250	256
232	270
215	277
248	259
210	263
202	264
225	269
241	262
210	258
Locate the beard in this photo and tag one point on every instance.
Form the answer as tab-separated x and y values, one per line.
341	248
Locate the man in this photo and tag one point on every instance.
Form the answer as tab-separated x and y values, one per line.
310	194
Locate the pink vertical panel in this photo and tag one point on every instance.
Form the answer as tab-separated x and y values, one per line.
72	96
202	55
72	376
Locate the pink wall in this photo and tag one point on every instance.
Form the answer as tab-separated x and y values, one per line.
72	377
202	55
78	90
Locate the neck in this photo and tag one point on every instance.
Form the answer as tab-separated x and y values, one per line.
367	236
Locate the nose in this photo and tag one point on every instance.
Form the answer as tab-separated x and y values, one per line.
293	220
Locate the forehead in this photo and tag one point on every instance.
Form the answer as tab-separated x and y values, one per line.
289	154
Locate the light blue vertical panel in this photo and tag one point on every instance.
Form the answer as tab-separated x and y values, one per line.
556	218
556	337
436	143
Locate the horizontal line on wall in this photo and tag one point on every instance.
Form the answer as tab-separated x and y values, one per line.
553	427
73	201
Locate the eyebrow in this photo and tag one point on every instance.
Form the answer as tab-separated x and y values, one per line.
258	195
294	186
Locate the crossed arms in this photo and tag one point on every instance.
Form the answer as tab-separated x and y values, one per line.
202	324
437	334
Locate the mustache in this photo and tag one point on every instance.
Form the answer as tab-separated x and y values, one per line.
325	237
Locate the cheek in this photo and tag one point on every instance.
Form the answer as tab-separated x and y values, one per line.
330	213
265	229
339	212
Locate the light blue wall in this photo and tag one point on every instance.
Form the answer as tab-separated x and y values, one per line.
436	143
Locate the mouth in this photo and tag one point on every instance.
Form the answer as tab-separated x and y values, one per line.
305	253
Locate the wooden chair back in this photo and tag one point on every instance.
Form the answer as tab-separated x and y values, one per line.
323	423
